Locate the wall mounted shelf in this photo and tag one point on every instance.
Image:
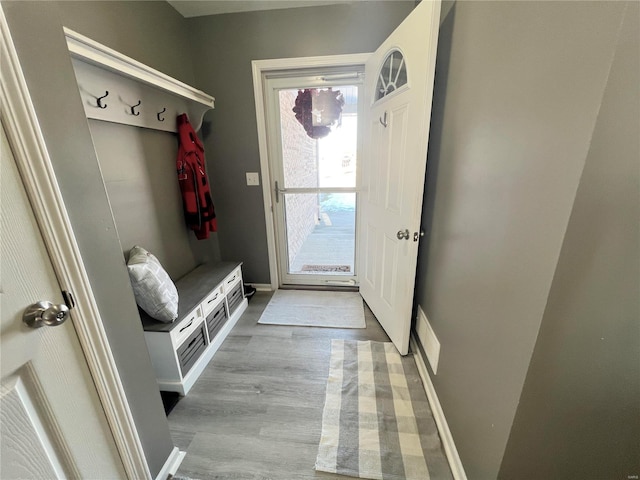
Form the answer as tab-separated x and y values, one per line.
100	69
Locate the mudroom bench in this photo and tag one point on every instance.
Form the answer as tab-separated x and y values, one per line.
211	300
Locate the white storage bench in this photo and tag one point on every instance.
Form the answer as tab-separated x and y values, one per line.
211	300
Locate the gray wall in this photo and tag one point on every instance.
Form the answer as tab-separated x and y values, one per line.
224	46
36	28
138	168
138	165
518	89
151	32
579	413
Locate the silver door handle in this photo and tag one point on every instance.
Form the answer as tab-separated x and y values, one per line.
279	191
403	234
45	314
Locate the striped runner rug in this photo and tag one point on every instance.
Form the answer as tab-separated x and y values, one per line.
377	422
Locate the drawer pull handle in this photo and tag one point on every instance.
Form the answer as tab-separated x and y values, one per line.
213	298
192	342
229	281
187	326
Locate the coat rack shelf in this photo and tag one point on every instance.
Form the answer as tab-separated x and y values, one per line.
116	88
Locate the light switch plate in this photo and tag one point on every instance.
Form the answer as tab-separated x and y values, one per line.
253	179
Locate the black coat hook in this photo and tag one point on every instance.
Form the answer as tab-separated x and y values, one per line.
99	99
159	113
133	112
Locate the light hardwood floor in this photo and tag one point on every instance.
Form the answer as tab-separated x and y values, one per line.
256	411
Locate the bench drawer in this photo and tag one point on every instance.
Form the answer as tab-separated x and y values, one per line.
232	279
187	326
191	349
235	297
213	300
216	320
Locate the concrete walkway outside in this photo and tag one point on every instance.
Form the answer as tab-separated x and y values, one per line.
332	242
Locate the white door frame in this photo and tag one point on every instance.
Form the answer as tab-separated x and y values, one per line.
260	69
33	161
274	132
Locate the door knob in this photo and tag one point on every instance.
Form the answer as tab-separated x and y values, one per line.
403	234
45	314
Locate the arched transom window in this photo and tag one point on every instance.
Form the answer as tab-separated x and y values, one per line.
392	76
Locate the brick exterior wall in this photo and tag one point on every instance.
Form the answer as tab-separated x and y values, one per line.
300	153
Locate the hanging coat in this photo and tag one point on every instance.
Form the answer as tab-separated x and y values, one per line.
196	196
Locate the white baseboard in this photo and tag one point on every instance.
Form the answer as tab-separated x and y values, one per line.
170	467
441	422
427	337
261	287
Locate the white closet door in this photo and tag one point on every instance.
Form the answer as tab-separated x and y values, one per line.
52	424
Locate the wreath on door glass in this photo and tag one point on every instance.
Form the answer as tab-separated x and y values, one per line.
318	110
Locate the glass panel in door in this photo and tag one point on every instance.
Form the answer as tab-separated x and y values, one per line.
320	233
328	161
319	176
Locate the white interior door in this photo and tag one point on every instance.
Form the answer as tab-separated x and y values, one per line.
51	421
399	89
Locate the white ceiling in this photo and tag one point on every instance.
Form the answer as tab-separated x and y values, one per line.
199	8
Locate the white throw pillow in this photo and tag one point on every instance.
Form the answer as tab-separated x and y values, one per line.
154	290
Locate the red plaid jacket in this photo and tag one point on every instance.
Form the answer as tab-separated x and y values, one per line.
196	196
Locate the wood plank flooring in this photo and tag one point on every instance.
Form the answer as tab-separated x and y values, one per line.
256	411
